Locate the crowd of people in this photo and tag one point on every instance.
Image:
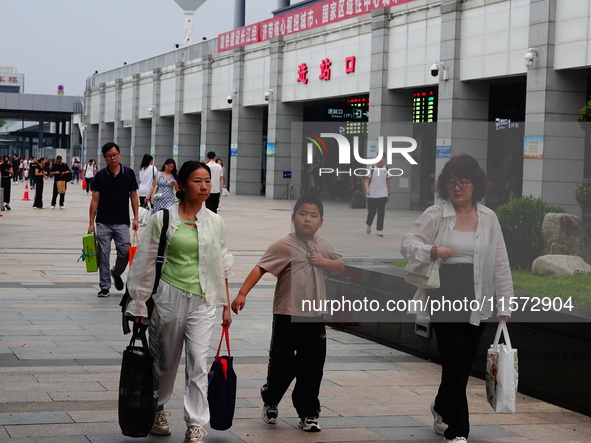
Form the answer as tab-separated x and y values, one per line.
458	232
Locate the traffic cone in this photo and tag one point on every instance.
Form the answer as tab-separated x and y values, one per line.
26	195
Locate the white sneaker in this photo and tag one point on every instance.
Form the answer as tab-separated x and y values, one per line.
195	434
438	426
368	229
379	234
455	440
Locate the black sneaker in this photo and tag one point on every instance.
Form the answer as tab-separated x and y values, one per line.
103	293
7	206
118	281
270	414
309	424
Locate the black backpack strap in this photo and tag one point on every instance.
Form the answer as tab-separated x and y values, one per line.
161	247
159	265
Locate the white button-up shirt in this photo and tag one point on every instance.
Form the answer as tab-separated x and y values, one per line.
492	274
215	263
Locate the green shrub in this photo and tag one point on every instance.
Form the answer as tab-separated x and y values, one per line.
583	195
521	221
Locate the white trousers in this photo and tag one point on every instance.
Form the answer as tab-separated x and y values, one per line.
180	317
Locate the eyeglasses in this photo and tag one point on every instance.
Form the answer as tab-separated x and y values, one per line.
111	155
461	185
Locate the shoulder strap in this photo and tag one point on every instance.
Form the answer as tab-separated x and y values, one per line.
159	264
225	333
161	247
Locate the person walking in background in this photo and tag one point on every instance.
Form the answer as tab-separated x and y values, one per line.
213	201
147	175
16	168
193	283
223	181
377	190
474	266
6	173
113	187
300	261
61	173
89	173
164	186
39	175
76	170
32	166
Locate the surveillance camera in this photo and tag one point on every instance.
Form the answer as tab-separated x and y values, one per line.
268	94
529	59
230	98
435	69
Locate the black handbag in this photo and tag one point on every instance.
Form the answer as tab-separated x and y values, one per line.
221	393
138	387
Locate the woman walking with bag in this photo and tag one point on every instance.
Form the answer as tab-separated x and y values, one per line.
474	266
185	302
164	186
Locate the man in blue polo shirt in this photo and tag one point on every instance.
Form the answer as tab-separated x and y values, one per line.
112	188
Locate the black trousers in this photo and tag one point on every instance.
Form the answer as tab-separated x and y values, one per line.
55	194
298	350
457	342
38	203
212	202
376	205
6	184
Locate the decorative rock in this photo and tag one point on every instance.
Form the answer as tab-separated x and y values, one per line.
560	265
564	234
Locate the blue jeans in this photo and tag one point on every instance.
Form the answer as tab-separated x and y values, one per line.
104	235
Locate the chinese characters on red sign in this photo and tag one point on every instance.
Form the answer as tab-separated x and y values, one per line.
318	14
325	69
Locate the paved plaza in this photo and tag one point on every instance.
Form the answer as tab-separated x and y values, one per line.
61	345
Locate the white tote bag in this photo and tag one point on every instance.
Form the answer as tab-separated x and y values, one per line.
502	373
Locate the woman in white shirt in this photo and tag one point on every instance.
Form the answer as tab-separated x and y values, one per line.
147	174
474	268
185	303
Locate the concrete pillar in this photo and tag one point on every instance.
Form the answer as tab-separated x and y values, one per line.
553	101
141	129
106	132
246	137
390	111
162	127
186	127
463	106
284	121
215	125
122	135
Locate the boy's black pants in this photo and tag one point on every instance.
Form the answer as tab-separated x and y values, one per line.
298	350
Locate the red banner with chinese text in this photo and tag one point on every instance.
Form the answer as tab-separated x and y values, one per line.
318	14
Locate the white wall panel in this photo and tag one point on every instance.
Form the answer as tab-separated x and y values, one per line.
193	91
494	39
126	101
95	107
257	71
414	47
110	104
146	90
222	84
167	94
